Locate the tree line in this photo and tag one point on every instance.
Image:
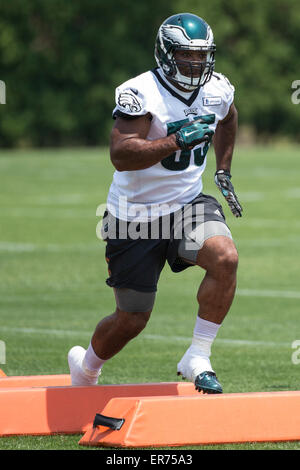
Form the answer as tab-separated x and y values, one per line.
61	61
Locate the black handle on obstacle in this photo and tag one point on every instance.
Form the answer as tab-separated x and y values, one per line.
112	423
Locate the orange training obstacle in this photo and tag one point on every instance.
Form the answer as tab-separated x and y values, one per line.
157	414
35	381
64	409
202	419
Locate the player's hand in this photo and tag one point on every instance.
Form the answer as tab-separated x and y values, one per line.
193	133
222	180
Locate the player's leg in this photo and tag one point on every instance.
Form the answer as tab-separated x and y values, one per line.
136	264
111	335
116	330
211	247
219	258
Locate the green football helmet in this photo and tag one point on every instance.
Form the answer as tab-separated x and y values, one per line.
185	32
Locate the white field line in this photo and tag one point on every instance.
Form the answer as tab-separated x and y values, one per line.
145	336
268	293
251	196
64	199
292	193
268	242
230	342
15	247
23	247
239	292
48	213
44	331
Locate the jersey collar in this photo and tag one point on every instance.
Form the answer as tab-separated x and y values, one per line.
188	101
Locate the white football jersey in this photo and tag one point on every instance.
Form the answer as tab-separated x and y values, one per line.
164	187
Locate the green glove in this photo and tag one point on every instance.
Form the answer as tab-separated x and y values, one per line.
193	133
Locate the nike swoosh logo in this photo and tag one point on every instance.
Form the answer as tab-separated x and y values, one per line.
189	133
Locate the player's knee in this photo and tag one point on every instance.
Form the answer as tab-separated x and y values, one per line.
226	262
130	300
132	323
219	257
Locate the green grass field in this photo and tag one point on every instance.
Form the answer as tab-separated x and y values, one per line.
52	277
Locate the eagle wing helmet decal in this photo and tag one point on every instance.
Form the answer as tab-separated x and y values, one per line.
175	35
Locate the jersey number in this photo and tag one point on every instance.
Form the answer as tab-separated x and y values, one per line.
183	161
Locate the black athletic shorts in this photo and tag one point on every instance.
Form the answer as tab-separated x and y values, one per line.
137	263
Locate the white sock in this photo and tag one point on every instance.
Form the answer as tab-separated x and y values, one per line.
91	361
204	335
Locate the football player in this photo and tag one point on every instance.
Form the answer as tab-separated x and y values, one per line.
165	121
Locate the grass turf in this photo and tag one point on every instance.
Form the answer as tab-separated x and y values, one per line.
52	277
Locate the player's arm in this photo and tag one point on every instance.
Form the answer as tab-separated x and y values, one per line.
129	148
224	140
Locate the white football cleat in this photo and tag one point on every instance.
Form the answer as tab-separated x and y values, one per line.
80	375
193	363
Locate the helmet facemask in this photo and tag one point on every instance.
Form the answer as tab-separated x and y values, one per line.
192	74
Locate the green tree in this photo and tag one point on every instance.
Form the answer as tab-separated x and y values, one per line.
61	62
